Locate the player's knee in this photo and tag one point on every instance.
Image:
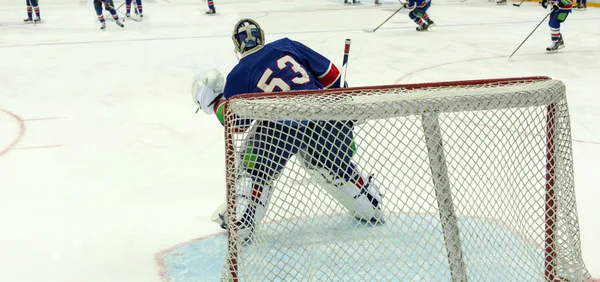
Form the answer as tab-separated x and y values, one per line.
418	12
561	17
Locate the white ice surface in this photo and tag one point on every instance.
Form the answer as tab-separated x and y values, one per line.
111	166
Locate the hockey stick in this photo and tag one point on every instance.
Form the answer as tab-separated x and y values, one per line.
529	36
375	29
137	11
118	12
518	5
124	16
345	63
120	6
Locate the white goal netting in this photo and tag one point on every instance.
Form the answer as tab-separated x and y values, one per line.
475	181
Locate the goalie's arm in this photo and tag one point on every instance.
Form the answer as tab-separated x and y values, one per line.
322	68
207	92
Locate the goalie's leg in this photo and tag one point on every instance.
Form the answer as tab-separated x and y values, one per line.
360	196
268	148
328	158
251	206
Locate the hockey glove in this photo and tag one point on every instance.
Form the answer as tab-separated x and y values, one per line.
207	90
555	8
544	4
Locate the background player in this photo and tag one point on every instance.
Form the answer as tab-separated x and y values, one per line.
377	2
110	8
32	6
418	13
324	147
211	7
581	5
138	9
559	13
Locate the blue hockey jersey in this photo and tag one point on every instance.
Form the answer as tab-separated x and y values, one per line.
282	65
413	4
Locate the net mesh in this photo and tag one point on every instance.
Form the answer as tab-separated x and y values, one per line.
476	181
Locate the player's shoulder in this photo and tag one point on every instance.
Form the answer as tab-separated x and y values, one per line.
283	42
234	81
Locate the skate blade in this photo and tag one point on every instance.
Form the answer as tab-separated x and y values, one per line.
555	50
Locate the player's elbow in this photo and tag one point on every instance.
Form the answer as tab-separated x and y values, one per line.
331	77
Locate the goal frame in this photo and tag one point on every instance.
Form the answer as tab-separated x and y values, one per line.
435	148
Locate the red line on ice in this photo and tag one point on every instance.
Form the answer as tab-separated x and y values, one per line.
19	136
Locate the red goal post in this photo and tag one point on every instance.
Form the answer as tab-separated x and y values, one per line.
458	163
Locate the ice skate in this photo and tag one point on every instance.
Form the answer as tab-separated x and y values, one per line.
211	11
28	20
346	1
501	2
103	26
128	15
38	20
355	1
423	27
556	45
119	23
377	2
430	23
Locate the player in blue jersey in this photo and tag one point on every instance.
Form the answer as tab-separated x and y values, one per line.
559	13
377	2
211	7
581	5
138	9
32	6
418	13
324	147
110	8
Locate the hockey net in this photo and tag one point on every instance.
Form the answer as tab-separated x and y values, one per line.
476	178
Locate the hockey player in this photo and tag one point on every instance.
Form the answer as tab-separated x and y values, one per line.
559	13
418	13
324	147
32	6
581	5
110	8
377	2
211	7
138	9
